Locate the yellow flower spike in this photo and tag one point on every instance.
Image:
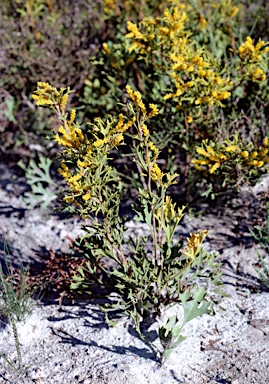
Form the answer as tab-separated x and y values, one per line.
214	167
219	95
63	141
164	30
136	98
168	96
119	125
79	133
128	125
232	148
198	167
64	171
221	156
62	131
189	84
210	150
42	101
156	173
72	116
63	102
190	68
69	199
266	141
118	140
46	86
99	143
152	147
74	178
83	164
249	51
194	243
145	130
134	31
258	75
202	151
154	110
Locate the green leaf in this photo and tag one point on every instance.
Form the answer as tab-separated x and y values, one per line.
193	306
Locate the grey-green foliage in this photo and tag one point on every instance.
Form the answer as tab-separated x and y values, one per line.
262	238
15	303
39	179
10	109
194	306
145	286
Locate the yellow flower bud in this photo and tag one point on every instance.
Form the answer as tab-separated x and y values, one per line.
244	154
231	148
87	196
106	49
254	155
189	119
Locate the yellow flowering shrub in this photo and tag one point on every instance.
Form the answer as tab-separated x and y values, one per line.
233	160
143	280
197	75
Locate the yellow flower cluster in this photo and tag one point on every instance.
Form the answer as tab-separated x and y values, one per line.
194	242
251	52
46	95
253	57
109	7
122	127
226	11
85	151
114	136
152	151
134	31
112	132
174	20
206	86
230	153
170	211
192	69
70	136
137	100
156	31
75	183
155	173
